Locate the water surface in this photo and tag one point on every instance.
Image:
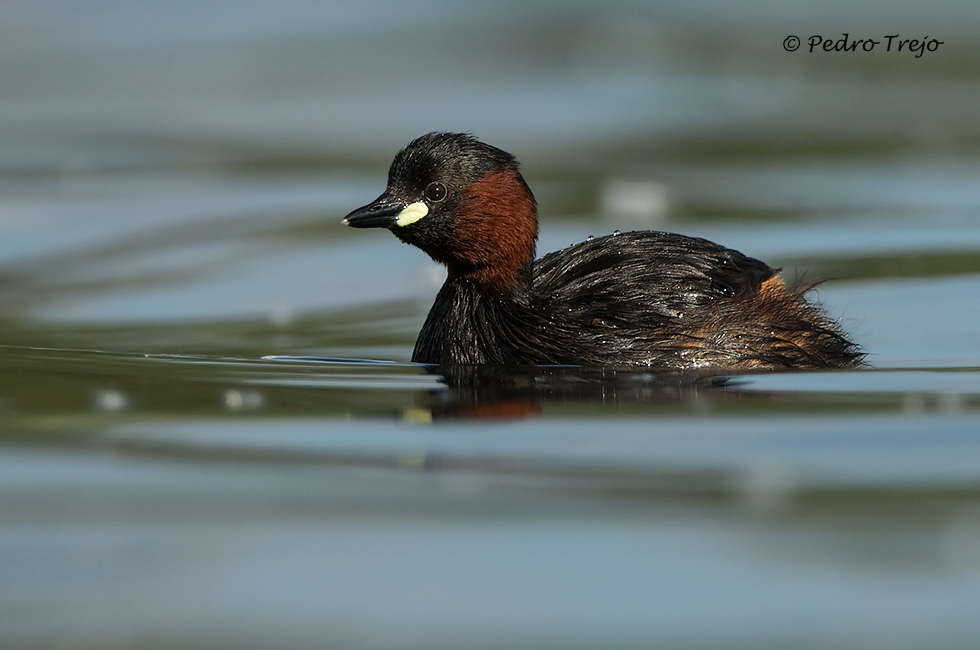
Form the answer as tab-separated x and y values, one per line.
210	433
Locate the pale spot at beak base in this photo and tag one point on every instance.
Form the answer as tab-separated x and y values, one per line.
411	213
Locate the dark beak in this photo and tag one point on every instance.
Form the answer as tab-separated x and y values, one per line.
380	213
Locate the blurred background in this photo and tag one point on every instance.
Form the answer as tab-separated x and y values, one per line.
172	179
185	163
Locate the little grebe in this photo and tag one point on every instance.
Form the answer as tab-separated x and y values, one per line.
631	299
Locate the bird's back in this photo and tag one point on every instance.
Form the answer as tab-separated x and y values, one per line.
661	299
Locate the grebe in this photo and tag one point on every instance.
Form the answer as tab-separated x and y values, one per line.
633	299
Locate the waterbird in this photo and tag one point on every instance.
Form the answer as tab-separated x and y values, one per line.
643	298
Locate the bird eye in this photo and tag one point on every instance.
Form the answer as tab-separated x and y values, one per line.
435	192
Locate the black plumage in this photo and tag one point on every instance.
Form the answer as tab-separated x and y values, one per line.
673	302
632	299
